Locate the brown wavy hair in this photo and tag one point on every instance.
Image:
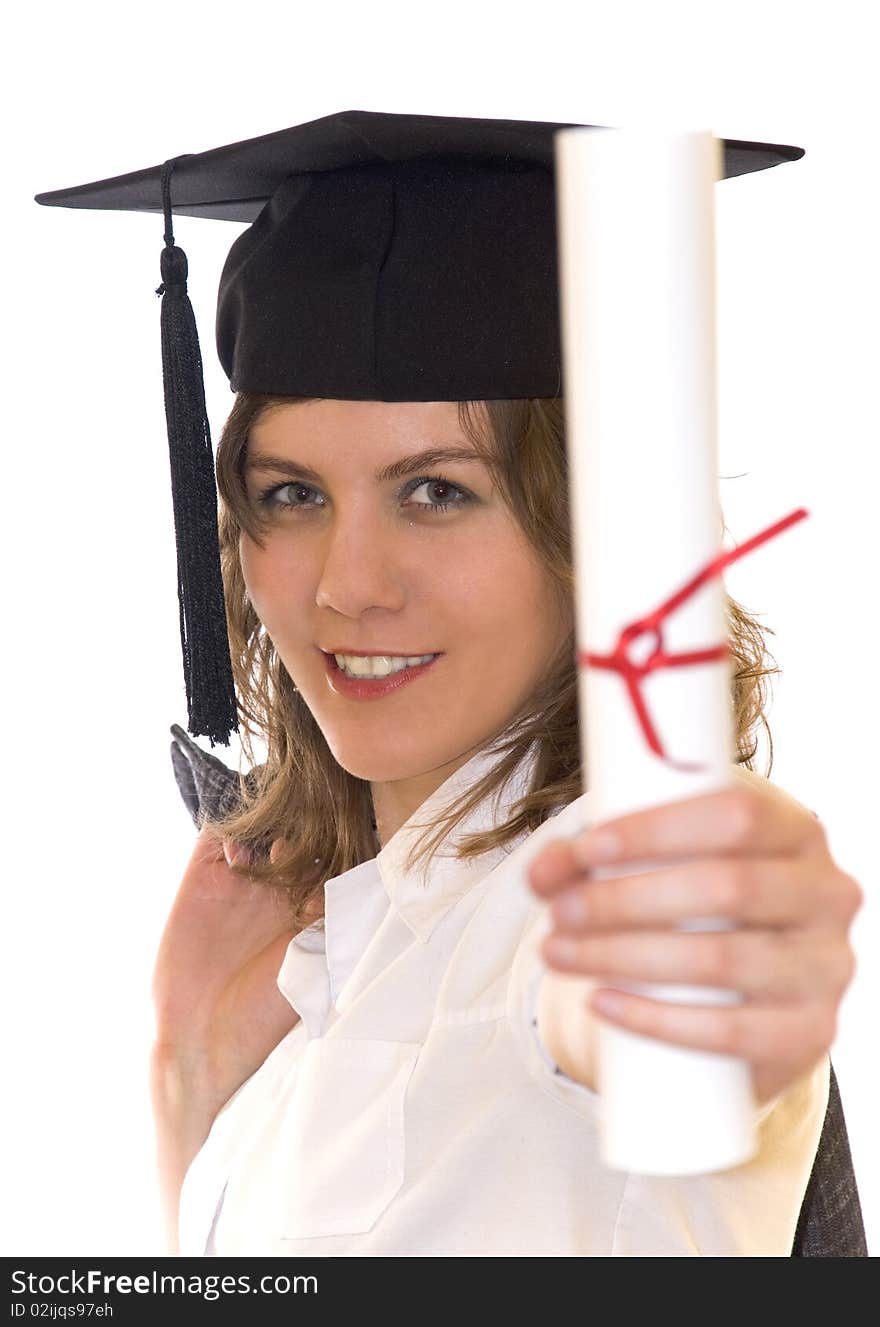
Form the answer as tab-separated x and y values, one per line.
318	816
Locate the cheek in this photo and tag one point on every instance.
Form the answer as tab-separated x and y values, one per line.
510	601
269	580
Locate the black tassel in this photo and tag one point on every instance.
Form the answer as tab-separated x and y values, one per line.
207	668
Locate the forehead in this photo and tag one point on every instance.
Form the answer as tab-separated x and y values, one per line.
384	423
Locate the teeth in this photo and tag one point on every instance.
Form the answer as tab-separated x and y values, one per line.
380	665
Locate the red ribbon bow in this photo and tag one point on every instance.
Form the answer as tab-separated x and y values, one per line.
633	673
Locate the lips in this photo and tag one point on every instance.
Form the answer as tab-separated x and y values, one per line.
372	688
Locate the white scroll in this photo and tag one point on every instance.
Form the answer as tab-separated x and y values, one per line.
636	228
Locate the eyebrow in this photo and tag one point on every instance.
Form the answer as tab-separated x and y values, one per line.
407	465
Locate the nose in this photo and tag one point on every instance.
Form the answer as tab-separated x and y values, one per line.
361	565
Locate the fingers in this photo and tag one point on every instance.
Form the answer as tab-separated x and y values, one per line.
748	818
780	1042
771	966
767	892
236	854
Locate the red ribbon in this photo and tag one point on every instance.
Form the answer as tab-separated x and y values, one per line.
633	673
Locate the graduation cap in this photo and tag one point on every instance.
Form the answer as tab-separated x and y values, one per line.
390	257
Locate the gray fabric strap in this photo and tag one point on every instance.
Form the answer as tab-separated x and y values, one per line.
209	788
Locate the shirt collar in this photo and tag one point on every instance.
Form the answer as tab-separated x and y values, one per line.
320	959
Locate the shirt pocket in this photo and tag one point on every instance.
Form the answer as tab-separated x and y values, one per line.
341	1151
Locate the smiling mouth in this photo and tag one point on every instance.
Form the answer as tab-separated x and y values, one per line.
360	686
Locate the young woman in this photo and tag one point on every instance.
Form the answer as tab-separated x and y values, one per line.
356	1057
367	1043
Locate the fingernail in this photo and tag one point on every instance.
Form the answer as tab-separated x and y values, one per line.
236	854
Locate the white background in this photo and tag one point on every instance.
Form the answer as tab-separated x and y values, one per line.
96	833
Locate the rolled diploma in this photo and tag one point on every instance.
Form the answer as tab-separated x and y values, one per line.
635	224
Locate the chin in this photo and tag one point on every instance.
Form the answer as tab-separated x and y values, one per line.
378	767
388	764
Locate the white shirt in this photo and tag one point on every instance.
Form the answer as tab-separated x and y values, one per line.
414	1111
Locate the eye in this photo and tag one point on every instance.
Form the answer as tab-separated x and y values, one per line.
268	497
443	502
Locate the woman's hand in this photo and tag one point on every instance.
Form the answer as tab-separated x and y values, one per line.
218	1008
749	853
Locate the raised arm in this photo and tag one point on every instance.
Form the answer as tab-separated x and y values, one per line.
218	1009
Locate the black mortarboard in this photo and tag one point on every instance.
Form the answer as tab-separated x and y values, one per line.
390	257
